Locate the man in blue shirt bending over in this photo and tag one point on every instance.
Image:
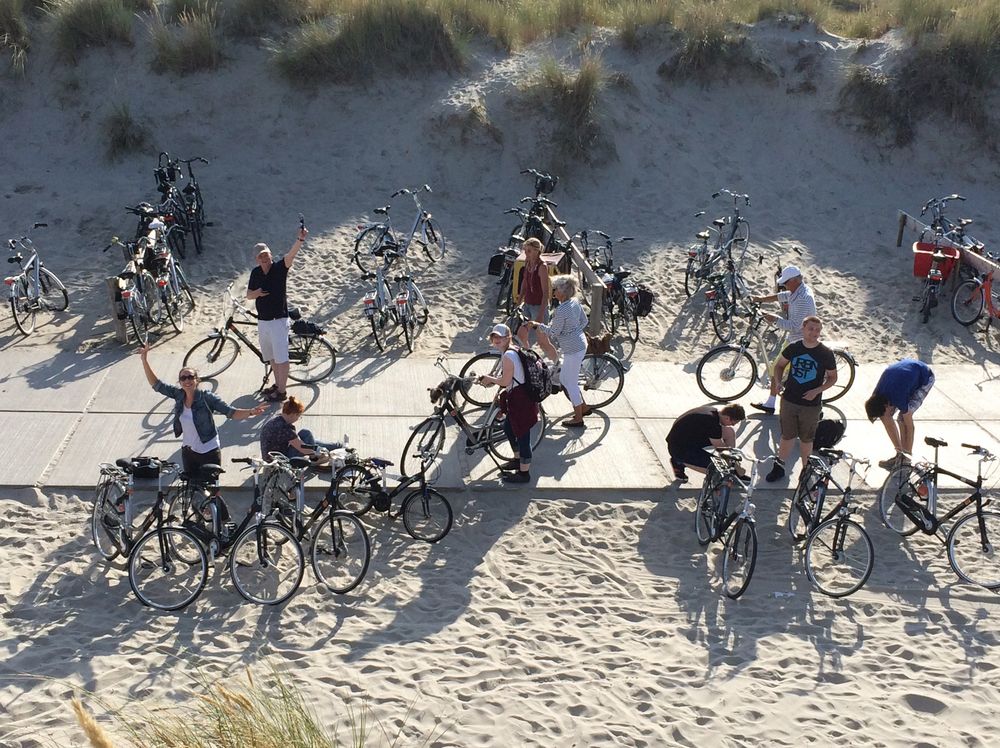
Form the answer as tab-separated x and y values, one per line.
901	388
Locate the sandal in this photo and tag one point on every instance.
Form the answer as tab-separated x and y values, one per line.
275	396
573	424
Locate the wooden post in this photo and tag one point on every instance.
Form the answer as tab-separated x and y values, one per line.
117	309
596	284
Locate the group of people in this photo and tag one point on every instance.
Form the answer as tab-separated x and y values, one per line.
811	370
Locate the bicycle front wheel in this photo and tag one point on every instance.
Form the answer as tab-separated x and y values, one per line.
107	524
900	488
839	557
426	514
367	242
630	320
341	552
159	574
497	443
601	378
706	516
23	309
968	302
739	558
722	315
139	318
726	373
212	356
433	240
353	489
53	292
807	497
174	305
973	550
426	441
845	376
266	564
310	358
483	363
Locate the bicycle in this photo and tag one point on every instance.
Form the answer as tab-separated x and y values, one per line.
35	288
360	486
839	553
908	502
972	298
194	204
713	519
167	566
175	293
311	358
141	301
265	559
427	437
728	372
702	261
425	233
621	295
340	550
933	263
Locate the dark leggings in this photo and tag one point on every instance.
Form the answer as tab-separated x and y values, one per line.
191	461
520	444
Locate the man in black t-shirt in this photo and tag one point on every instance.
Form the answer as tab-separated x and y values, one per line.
697	429
811	370
267	290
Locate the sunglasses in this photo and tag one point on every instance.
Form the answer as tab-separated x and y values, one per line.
187	377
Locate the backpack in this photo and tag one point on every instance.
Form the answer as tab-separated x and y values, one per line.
828	433
537	375
645	303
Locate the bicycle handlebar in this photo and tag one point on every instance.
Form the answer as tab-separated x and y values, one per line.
735	195
412	190
542	200
940	201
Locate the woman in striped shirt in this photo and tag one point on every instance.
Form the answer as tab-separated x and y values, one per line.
566	330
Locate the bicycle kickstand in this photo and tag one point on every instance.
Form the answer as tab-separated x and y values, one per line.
263	382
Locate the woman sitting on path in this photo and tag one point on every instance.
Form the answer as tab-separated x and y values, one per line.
279	435
193	408
567	326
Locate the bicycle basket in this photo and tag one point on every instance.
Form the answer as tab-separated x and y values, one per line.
496	263
545	184
145	468
923	258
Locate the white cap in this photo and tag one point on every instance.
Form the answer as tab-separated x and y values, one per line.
788	273
502	330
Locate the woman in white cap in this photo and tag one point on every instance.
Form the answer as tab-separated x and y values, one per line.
521	410
566	328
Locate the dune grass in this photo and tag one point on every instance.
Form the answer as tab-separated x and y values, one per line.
398	35
78	24
194	43
571	98
14	39
124	133
713	47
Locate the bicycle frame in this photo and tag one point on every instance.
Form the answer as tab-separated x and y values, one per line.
927	519
724	463
115	473
825	470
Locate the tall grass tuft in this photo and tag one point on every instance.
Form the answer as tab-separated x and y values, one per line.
250	17
572	99
79	24
712	48
14	39
396	35
124	133
194	43
636	19
871	96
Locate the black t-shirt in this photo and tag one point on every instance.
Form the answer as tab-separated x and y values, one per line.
275	304
695	429
807	369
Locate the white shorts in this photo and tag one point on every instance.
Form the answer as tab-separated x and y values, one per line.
273	334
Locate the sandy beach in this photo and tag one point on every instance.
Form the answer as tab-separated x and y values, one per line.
550	617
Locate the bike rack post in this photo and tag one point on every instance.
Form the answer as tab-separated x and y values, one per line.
115	303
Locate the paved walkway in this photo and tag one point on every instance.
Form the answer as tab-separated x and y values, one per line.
64	415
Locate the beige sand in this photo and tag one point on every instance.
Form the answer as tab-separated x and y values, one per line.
556	622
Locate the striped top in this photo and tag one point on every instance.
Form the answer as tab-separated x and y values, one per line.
567	326
801	304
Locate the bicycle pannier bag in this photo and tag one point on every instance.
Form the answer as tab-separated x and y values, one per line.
828	433
645	305
145	468
537	374
496	263
302	327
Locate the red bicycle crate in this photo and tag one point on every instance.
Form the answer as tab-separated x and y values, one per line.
924	251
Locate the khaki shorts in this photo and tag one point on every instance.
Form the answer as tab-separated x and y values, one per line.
799	421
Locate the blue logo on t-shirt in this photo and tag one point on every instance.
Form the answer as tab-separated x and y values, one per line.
804	368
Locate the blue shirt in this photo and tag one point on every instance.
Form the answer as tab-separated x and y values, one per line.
899	381
201	409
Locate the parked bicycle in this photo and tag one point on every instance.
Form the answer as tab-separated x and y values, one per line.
424	234
406	308
311	357
360	486
732	242
35	288
908	502
974	297
621	295
932	262
714	519
728	372
175	293
839	554
339	548
190	194
427	437
142	304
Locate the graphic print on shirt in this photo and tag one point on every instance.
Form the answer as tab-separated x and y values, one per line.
804	368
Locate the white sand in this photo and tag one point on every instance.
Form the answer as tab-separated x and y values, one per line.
554	622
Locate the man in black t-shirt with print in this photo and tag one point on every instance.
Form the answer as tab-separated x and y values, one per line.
267	290
811	370
697	429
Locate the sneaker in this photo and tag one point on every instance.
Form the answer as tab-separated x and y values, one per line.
573	424
777	472
888	464
680	476
521	476
511	465
769	409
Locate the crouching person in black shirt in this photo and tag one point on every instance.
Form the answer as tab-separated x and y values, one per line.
697	429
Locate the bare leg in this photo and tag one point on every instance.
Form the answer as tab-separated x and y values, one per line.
805	449
893	431
280	375
906	432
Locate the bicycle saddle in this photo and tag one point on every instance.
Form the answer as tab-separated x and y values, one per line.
294	313
703	235
930	441
204	474
833	454
720	222
127	274
16	258
380	462
384	211
622	274
963	222
299	462
559	224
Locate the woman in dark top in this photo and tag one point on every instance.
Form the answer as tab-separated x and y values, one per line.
534	292
279	435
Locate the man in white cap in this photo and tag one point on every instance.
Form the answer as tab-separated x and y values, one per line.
801	304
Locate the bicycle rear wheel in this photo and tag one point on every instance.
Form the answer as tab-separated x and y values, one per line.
53	293
426	514
839	557
974	549
723	315
266	564
212	356
158	574
107	524
692	281
726	373
184	290
845	376
174	305
968	302
22	308
367	242
341	552
353	489
739	558
483	363
434	245
601	378
900	487
496	439
139	318
706	517
311	358
426	440
808	494
630	320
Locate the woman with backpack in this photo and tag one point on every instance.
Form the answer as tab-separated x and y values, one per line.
566	329
521	410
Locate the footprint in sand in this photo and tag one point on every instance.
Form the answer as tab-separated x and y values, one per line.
925	704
